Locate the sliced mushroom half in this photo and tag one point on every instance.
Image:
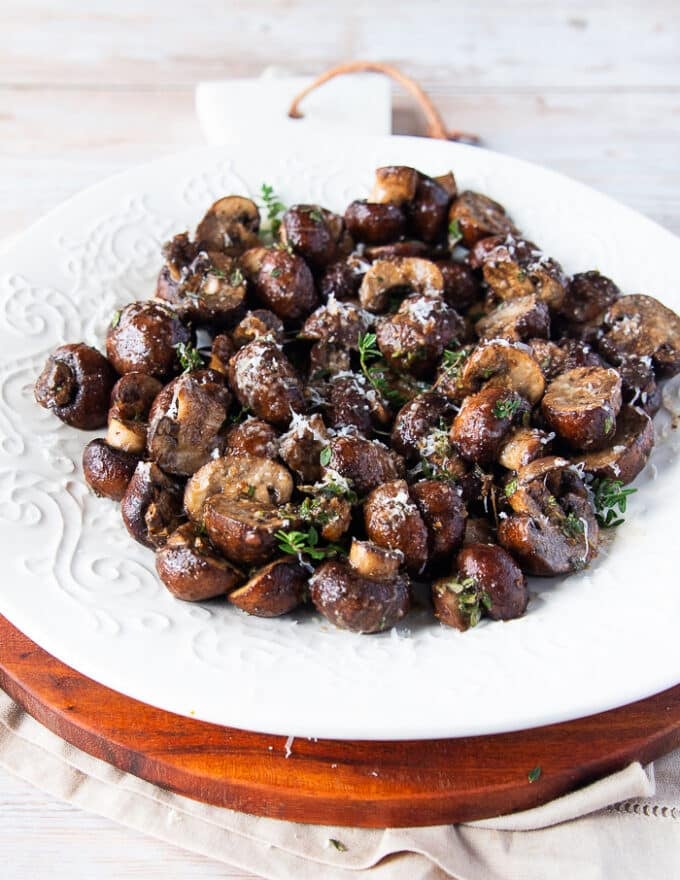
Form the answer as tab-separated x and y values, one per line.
402	275
230	225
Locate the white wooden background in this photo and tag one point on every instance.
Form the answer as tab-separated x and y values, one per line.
88	87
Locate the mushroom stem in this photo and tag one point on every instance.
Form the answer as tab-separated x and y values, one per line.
435	124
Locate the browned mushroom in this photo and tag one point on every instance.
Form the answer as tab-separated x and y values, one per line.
353	601
553	529
414	338
300	447
589	295
444	515
210	290
285	285
318	235
274	590
75	385
524	445
484	421
516	320
373	561
629	448
191	569
461	285
256	324
131	400
640	325
581	405
393	520
342	279
375	222
266	383
185	422
108	470
499	364
144	337
416	420
428	210
230	225
152	505
252	437
245	531
478	217
351	401
514	267
365	464
487	581
401	275
244	477
394	183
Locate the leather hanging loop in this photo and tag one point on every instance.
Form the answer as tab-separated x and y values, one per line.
435	124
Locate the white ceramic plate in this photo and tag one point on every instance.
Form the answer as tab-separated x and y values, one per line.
77	584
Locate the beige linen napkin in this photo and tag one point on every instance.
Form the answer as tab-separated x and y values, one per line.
628	825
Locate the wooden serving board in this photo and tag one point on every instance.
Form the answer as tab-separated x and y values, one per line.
336	782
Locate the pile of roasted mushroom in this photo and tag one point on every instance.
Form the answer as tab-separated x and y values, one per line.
331	408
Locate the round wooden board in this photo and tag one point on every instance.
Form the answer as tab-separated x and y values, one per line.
335	782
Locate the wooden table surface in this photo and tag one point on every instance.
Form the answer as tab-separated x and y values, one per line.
590	88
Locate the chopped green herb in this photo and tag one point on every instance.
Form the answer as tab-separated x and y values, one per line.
315	215
275	272
273	205
218	273
338	844
608	424
610	500
295	543
510	488
115	320
455	232
471	599
573	525
534	775
376	375
236	278
505	409
189	357
325	456
251	491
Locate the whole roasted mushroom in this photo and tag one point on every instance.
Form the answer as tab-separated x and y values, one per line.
144	337
414	338
285	285
191	569
107	470
75	385
318	235
477	216
266	383
131	400
353	600
274	590
211	290
152	505
487	581
375	222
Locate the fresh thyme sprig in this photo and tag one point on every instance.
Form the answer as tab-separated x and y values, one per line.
273	206
471	600
572	525
610	500
306	543
506	408
188	357
368	350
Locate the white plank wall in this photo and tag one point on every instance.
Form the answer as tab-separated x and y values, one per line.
88	87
